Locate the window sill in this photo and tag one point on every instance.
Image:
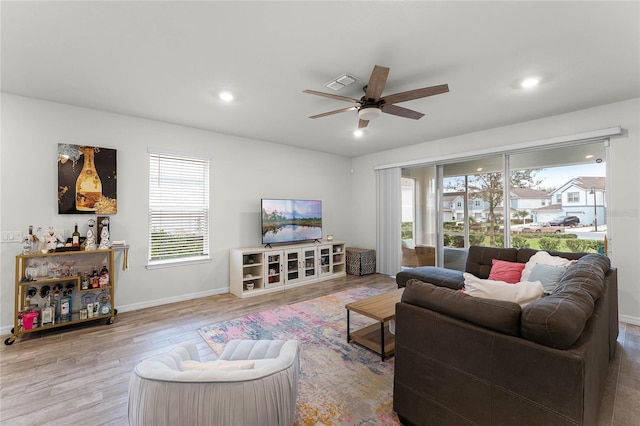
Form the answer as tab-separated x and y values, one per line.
171	263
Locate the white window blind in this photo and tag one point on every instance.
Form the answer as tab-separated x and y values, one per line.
178	208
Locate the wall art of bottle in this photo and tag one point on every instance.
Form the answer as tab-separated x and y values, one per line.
87	180
88	184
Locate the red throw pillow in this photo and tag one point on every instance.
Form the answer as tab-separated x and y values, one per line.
509	272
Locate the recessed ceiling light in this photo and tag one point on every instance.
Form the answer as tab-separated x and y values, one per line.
479	169
588	156
226	96
530	82
358	133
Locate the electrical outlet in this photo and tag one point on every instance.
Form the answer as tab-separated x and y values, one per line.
12	237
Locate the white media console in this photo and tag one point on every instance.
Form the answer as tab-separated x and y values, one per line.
260	270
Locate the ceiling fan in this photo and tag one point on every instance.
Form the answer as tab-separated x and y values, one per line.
372	105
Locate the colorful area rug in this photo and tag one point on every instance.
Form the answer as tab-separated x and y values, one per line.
340	383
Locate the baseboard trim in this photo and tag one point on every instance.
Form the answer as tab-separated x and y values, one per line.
629	319
167	300
6	330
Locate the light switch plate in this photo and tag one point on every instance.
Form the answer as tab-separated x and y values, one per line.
12	237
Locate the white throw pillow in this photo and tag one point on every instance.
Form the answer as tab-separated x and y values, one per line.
221	364
544	258
521	293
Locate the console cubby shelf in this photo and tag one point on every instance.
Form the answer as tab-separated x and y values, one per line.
260	270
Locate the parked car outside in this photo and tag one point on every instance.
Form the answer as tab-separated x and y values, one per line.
543	227
565	221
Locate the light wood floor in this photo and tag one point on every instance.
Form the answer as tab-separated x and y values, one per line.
80	375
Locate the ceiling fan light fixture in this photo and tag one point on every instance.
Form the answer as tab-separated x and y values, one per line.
369	113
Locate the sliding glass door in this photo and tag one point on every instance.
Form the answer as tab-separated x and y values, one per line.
553	198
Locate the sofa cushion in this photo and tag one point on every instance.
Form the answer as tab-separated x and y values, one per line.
408	244
522	293
524	254
480	259
548	275
544	258
497	315
558	319
432	274
502	270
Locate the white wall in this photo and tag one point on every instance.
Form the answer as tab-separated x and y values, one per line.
245	170
623	188
242	172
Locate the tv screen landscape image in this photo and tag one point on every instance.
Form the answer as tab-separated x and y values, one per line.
286	221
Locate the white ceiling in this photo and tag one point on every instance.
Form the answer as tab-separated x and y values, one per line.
168	60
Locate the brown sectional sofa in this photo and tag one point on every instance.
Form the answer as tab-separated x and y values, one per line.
462	360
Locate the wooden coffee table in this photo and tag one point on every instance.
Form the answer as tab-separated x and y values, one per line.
381	308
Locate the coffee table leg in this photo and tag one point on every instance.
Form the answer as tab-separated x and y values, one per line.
348	334
382	340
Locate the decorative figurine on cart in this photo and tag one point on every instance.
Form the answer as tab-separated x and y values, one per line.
51	240
90	243
104	235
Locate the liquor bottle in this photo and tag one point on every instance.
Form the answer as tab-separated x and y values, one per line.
95	278
88	184
55	309
65	308
47	312
104	299
85	281
104	277
75	238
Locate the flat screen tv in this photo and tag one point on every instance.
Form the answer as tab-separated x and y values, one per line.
288	221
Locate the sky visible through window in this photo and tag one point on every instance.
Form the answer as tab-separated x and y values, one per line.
554	177
557	176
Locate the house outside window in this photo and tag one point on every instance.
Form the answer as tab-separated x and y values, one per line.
573	197
178	209
558	198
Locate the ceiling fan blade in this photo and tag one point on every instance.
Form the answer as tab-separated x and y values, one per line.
362	124
329	95
324	114
402	112
416	94
376	83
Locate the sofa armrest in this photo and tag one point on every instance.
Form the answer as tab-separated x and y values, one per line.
440	277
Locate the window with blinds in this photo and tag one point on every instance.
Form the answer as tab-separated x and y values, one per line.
178	208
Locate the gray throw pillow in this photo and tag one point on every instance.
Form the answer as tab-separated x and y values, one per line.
549	276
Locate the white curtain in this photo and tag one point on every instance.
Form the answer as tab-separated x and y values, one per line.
389	220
